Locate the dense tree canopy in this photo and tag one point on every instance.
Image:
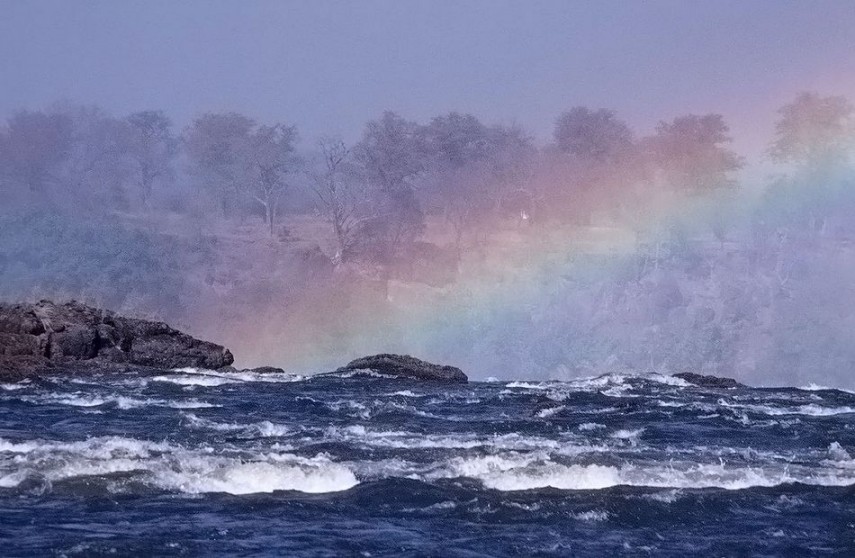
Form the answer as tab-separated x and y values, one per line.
691	153
592	135
813	130
152	146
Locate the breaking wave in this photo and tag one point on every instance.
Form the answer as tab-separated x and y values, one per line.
515	472
121	402
170	467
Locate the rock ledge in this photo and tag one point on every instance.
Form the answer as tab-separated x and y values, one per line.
405	366
39	337
702	380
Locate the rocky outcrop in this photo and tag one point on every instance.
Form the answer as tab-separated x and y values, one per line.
404	366
702	380
257	370
41	336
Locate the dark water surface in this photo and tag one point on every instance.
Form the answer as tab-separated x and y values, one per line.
199	463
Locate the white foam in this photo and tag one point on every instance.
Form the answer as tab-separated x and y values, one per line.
588	426
619	380
201	377
78	399
14	387
72	400
171	467
593	515
350	407
665	497
519	471
13	479
527	507
360	435
548	412
617	391
809	409
526	385
837	453
512	472
667	403
668	380
816	387
188	380
364	372
819	411
191	404
625	434
237	476
612	385
264	429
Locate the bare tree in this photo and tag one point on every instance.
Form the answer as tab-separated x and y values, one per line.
269	158
341	195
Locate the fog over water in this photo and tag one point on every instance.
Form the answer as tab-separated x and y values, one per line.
523	189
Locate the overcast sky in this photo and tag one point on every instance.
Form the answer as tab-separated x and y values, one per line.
328	66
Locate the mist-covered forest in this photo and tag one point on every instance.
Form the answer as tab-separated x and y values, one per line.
461	240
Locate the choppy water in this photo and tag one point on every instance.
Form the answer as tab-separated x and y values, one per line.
193	462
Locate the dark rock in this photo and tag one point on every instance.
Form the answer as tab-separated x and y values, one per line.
18	367
42	336
259	370
702	380
265	370
20	319
19	344
405	366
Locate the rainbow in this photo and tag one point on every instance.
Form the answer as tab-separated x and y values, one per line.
506	297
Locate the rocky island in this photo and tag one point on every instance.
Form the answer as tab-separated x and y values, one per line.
403	366
44	336
707	381
71	337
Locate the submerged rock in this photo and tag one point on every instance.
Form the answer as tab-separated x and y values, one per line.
702	380
405	366
41	336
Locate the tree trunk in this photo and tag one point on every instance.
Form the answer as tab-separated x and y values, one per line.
147	183
340	241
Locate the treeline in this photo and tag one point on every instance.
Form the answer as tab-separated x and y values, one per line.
376	193
136	215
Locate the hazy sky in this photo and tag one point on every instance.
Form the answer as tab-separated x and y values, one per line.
329	66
